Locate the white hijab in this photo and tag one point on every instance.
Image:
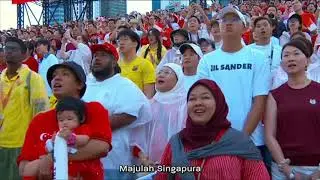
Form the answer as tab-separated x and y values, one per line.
169	113
178	92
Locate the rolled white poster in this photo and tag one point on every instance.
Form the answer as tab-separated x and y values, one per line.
60	158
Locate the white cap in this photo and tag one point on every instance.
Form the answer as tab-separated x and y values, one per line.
231	9
196	48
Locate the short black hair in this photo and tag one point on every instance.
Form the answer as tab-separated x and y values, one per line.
30	47
43	42
260	19
72	104
23	47
111	19
209	41
132	35
302	44
123	26
196	18
273	6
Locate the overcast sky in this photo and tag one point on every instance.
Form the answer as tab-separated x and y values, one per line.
8	12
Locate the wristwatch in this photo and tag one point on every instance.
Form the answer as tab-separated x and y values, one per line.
292	174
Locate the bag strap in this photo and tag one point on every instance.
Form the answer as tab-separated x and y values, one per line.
28	81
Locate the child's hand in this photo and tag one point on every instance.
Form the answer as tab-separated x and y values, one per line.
65	133
54	136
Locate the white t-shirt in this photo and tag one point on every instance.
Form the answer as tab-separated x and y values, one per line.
82	56
172	56
189	81
119	95
272	52
241	76
44	65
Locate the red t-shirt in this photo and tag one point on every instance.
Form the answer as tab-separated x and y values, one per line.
32	63
166	33
2	67
45	123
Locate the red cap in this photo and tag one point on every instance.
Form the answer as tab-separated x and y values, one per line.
107	48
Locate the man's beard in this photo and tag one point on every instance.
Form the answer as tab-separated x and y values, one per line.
104	73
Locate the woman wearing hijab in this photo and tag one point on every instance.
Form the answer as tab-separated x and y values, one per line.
168	110
292	119
209	142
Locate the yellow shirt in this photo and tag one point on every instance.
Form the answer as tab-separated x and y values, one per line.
140	71
153	52
53	102
27	98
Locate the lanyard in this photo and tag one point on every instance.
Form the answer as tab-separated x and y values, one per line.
5	100
190	37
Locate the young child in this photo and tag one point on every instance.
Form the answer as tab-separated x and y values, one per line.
71	117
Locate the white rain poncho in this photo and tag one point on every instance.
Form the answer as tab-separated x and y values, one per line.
169	111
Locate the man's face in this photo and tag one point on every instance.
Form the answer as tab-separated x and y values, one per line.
272	10
193	24
102	63
297	6
91	27
231	25
12	52
263	29
126	44
41	49
178	38
111	25
206	47
152	20
64	83
190	59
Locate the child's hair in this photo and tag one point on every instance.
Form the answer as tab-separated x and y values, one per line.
72	104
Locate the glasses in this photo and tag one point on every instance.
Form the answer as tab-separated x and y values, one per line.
232	20
165	73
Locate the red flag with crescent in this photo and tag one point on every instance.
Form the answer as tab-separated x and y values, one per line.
21	1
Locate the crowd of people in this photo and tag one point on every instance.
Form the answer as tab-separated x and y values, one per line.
233	91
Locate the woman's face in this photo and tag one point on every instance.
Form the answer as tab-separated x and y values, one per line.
215	30
166	79
311	8
152	39
201	105
294	61
79	39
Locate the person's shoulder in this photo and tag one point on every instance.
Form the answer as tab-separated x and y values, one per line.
255	55
279	89
315	84
90	106
145	63
44	117
210	55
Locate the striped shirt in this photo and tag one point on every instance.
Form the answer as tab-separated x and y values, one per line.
220	167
